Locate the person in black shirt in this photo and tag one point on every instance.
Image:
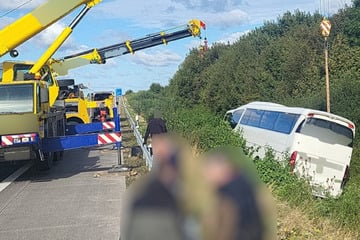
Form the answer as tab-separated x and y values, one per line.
156	125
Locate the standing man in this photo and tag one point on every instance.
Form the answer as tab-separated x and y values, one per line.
152	207
156	126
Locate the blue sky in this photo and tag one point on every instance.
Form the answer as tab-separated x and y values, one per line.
114	21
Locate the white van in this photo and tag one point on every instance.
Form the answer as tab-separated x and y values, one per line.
319	144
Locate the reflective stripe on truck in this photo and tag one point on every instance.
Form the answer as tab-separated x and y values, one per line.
10	140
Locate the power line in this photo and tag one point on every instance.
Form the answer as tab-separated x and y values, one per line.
14	9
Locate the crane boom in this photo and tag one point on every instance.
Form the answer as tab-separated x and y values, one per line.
37	20
100	55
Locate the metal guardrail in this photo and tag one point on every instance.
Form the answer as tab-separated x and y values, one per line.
138	136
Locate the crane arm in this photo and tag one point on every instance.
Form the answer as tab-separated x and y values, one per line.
100	55
37	20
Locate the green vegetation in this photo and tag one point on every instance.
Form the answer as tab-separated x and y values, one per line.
280	62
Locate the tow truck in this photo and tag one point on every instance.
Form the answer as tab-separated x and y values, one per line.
81	110
33	121
29	114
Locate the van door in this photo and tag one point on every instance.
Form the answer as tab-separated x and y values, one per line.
323	150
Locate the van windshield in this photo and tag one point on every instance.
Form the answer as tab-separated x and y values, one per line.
327	131
234	117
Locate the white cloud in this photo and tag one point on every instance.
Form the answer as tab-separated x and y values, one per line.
216	13
111	36
227	19
211	5
44	39
47	36
158	58
263	10
232	37
337	4
4	21
22	4
194	44
167	13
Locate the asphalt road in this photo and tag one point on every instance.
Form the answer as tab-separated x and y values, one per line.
7	168
76	199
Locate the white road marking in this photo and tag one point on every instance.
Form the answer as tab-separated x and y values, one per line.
4	184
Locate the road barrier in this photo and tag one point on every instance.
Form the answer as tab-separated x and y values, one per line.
146	154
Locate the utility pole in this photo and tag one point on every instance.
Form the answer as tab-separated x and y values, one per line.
325	31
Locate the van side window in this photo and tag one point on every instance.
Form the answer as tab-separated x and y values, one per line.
270	120
252	117
285	122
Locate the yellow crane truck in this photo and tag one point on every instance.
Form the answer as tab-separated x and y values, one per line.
32	116
29	111
82	110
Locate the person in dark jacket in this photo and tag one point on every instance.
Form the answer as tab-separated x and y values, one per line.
156	125
238	212
152	209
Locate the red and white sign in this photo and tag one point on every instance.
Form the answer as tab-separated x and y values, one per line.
10	140
105	138
108	125
325	27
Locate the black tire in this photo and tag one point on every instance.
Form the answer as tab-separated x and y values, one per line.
47	162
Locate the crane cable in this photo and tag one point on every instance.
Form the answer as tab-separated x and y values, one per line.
14	9
325	8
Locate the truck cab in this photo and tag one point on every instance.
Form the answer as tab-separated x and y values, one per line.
29	111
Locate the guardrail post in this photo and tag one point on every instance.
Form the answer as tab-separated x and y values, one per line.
120	167
117	129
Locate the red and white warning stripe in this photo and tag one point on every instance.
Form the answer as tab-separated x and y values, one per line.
325	27
9	140
108	125
105	138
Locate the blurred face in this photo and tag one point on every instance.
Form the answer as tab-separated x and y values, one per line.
217	172
162	148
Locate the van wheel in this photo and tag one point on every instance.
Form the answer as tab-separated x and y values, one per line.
44	160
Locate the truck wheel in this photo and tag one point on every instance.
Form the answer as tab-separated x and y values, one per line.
44	160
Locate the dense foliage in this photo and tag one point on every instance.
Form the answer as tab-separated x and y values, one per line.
283	62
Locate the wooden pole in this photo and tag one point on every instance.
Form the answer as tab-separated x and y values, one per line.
327	76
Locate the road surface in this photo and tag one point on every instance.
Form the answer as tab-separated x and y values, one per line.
76	199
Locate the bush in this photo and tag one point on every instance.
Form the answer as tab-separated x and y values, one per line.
202	128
